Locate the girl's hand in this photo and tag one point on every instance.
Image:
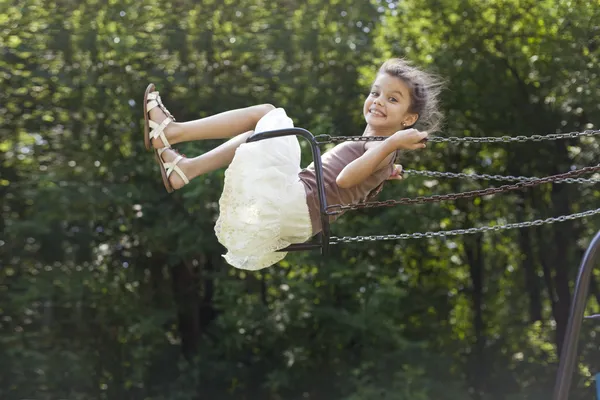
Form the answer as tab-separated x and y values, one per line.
409	139
397	174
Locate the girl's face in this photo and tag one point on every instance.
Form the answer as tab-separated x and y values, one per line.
387	106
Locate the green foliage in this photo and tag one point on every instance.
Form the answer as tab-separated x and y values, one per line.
110	289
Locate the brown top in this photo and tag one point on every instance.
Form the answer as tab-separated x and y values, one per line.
333	162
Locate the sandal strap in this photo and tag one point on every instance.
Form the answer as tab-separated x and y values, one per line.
172	166
151	105
155	101
158	131
163	149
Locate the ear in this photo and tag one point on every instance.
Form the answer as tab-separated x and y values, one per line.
411	119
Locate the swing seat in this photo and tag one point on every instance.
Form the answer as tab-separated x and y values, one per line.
320	241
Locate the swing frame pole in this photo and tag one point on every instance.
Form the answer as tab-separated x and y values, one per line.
568	354
322	240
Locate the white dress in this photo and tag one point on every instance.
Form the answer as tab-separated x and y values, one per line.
263	205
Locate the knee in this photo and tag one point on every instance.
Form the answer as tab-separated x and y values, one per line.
262	110
267	107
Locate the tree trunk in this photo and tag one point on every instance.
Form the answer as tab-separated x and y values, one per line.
594	290
532	285
478	374
185	289
207	309
563	238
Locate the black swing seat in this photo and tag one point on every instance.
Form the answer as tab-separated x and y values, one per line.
321	241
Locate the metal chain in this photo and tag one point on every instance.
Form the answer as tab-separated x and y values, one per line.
326	139
507	178
338	208
456	232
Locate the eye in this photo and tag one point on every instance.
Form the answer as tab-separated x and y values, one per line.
393	100
374	93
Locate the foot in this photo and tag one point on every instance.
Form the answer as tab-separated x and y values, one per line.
175	179
158	116
159	123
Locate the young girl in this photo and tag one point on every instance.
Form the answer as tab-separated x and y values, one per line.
268	201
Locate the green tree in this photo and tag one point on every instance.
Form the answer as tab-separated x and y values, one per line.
110	288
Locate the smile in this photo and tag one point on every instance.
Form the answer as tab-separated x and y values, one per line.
376	113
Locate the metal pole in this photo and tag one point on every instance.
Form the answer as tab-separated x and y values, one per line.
569	349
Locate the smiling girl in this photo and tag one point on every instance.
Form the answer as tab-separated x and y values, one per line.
268	202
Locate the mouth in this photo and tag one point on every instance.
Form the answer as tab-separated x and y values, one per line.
376	113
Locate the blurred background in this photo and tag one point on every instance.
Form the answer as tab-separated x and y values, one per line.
112	289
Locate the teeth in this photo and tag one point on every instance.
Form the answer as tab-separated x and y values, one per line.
375	112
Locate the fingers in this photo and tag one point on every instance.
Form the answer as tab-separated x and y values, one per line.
420	137
416	146
423	138
411	139
397	173
397	169
413	131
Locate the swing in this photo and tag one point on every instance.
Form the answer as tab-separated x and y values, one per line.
323	239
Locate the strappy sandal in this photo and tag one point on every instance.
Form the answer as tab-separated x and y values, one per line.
167	168
151	101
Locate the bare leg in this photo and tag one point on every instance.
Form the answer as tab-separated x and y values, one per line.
219	157
220	126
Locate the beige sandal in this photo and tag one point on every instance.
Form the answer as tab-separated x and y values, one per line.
152	130
152	100
167	168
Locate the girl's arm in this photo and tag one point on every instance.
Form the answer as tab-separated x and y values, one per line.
379	155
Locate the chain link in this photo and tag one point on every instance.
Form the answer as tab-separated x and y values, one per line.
502	178
338	208
326	139
468	231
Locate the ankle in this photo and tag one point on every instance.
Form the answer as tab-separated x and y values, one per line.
174	132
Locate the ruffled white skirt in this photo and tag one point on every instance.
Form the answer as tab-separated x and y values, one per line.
263	205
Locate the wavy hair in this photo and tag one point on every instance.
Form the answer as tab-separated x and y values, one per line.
425	89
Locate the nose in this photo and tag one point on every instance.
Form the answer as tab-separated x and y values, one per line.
377	101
